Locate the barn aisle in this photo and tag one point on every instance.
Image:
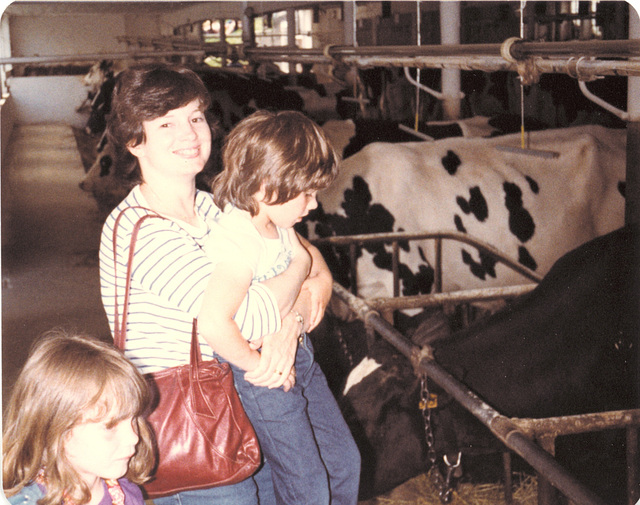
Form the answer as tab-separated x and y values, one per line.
50	237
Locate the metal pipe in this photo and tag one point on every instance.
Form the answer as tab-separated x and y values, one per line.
437	298
597	48
499	425
485	57
633	493
582	423
98	56
449	235
518	50
450	35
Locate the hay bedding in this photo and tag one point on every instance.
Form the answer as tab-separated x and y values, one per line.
421	491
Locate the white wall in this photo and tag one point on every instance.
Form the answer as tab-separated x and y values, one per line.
7	120
51	99
66	34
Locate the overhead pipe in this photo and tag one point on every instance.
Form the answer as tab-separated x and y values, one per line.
15	60
518	49
484	57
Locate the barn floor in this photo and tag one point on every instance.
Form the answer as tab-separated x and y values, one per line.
50	237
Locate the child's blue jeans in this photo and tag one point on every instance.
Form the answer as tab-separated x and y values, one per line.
313	457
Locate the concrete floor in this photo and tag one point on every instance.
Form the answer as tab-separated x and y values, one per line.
50	236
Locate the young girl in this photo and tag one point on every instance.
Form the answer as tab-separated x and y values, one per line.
274	164
73	432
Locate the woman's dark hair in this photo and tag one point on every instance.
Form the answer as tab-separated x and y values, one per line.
142	93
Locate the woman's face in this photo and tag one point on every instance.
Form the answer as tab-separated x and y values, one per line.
176	144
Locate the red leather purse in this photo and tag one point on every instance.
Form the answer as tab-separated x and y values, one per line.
204	437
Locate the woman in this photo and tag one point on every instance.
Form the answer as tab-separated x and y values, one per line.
158	123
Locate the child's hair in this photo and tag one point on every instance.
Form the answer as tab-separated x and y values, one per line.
145	92
65	378
284	151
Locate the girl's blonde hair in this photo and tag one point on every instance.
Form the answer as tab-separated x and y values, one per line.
284	151
65	378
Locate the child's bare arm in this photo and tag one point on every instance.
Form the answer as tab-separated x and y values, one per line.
225	291
319	284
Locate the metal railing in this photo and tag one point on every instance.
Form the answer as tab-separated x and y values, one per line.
388	305
516	434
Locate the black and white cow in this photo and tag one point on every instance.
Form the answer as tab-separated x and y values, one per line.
349	136
569	347
531	208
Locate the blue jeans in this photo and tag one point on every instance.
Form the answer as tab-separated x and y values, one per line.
243	493
303	436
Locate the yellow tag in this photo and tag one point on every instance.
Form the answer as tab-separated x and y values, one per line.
432	403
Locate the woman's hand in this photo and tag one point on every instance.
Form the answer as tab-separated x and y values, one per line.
277	356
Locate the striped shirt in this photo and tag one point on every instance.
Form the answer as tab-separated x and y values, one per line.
170	272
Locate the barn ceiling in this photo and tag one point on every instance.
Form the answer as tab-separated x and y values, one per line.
51	7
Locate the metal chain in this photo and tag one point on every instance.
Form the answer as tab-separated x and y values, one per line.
428	431
443	486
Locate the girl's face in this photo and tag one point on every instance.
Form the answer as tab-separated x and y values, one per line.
285	215
178	143
101	449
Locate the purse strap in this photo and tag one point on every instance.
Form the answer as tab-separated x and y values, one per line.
120	327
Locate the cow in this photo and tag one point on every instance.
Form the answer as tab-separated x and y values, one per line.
568	347
348	136
234	95
555	101
532	208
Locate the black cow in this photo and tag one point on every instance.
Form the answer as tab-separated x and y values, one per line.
569	347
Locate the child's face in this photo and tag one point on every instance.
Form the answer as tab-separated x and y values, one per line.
101	449
178	143
285	215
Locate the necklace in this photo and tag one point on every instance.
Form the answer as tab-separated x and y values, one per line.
113	486
187	214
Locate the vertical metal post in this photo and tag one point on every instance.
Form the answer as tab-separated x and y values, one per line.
632	208
633	491
248	28
508	481
291	37
395	268
437	270
223	40
349	20
353	264
547	494
450	34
